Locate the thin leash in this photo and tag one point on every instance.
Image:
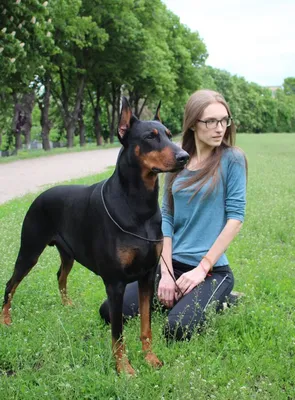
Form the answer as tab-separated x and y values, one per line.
135	235
123	230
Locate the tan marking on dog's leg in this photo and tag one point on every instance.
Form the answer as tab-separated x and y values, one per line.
122	362
62	282
6	310
146	332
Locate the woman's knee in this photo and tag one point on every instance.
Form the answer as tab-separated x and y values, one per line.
181	328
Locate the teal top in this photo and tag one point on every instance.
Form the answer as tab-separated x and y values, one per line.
195	224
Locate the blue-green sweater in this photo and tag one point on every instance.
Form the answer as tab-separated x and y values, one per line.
195	225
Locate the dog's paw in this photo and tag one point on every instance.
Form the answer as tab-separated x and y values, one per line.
5	319
67	302
123	366
153	360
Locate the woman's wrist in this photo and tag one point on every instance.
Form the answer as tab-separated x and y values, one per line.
207	263
201	265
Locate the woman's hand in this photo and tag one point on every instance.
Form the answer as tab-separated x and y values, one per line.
166	290
187	281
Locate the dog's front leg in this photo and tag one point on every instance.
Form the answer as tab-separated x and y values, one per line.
115	292
146	292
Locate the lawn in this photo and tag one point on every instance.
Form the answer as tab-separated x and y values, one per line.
33	153
247	352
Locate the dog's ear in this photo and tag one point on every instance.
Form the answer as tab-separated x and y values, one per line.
126	119
157	115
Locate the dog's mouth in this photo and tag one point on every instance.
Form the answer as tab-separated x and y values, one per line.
175	168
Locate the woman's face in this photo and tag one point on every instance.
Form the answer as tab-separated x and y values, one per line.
209	132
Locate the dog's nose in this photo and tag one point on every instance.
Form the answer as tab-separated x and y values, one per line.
182	157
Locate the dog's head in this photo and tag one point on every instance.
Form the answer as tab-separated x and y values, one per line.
150	142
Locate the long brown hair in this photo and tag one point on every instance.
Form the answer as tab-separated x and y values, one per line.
194	109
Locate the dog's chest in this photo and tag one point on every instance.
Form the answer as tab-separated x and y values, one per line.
138	260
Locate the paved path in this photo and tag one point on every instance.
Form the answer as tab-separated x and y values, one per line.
23	176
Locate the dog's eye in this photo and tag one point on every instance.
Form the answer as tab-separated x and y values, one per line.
152	135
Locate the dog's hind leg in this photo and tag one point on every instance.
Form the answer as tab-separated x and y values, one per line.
145	293
62	276
115	292
23	266
34	239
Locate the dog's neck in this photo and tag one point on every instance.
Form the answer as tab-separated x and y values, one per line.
127	183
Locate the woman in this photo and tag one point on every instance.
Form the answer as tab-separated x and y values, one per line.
203	210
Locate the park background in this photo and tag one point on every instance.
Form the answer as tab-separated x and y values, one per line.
64	65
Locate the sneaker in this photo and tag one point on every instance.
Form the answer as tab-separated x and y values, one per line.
232	299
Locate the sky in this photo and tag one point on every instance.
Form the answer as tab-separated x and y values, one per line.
254	39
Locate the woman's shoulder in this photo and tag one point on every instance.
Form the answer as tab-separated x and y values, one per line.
234	154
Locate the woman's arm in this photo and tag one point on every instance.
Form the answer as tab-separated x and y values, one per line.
191	279
166	288
227	235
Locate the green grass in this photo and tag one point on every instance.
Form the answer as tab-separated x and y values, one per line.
248	352
34	153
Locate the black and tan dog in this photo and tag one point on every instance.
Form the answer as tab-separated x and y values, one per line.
112	228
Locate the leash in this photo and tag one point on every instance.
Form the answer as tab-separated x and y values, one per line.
174	280
123	230
135	235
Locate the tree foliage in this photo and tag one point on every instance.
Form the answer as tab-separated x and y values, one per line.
73	59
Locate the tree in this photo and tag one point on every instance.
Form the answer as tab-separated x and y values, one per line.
75	33
289	86
24	35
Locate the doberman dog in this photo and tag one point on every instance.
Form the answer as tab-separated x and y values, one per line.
113	228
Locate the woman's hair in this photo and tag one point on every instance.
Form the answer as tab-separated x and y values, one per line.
194	109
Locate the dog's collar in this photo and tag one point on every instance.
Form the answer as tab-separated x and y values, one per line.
123	230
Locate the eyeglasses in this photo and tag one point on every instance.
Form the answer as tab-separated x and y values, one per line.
213	123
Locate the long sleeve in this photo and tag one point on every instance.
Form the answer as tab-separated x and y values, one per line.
235	200
167	213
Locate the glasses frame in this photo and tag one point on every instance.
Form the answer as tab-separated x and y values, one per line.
217	122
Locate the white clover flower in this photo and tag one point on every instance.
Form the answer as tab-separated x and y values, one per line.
33	20
12	60
13	33
49	21
11	18
18	1
22	44
19	26
4	11
45	4
4	30
48	34
1	49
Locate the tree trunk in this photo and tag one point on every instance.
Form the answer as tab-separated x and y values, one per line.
44	118
142	107
70	132
71	118
96	116
109	119
113	114
16	123
28	102
81	125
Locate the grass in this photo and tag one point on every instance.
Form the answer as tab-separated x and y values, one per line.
34	153
248	352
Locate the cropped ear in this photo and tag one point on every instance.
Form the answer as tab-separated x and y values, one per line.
126	119
157	115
